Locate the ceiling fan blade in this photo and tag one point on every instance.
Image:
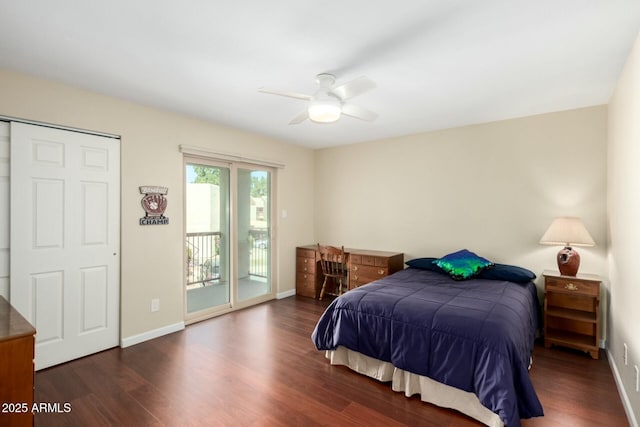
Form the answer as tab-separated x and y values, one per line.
287	94
354	88
358	112
299	118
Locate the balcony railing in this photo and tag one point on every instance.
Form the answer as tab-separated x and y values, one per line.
259	252
203	256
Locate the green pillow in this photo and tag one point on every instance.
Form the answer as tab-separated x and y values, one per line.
462	264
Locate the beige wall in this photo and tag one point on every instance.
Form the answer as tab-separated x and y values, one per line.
623	189
492	188
151	257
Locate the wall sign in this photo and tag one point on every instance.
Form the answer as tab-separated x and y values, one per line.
154	203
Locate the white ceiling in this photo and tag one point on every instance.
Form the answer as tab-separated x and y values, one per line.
437	64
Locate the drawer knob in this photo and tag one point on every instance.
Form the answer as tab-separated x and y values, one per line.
381	272
305	260
355	268
570	287
355	277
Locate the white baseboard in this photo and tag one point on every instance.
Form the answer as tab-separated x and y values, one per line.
286	294
149	335
633	422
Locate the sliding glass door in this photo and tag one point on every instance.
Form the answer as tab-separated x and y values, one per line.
254	236
228	237
207	240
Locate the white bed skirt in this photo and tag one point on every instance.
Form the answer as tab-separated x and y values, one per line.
402	381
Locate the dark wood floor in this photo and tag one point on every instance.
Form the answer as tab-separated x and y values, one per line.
258	367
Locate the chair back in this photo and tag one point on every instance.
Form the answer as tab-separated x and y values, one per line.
332	261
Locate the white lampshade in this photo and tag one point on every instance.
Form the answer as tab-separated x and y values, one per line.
567	231
324	108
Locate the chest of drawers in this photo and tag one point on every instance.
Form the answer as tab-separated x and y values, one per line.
17	341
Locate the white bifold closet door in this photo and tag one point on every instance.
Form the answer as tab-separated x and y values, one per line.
65	239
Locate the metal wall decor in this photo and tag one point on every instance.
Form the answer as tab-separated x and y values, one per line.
154	203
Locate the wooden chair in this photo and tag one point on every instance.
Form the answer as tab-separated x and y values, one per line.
334	265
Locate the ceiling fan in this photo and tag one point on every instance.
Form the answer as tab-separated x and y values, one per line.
327	104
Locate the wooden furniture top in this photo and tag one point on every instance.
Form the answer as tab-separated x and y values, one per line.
12	324
365	252
579	276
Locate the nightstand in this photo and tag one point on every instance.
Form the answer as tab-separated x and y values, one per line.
572	311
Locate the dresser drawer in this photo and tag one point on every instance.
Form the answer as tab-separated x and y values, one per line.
306	285
361	275
305	253
305	265
365	270
575	286
570	301
368	260
305	290
302	277
381	262
377	261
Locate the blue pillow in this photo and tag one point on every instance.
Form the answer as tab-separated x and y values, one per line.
510	273
462	264
425	264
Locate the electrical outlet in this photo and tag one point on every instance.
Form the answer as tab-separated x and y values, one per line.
637	378
155	304
625	354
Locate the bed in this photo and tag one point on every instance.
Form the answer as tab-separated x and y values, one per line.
461	344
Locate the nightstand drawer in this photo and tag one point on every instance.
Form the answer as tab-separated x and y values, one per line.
576	286
571	301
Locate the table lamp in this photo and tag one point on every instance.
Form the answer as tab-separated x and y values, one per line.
568	232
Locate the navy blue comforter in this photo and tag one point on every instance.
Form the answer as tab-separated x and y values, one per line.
476	335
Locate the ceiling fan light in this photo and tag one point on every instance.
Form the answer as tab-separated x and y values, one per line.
324	110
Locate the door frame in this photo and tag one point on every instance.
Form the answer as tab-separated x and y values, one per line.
190	157
227	306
